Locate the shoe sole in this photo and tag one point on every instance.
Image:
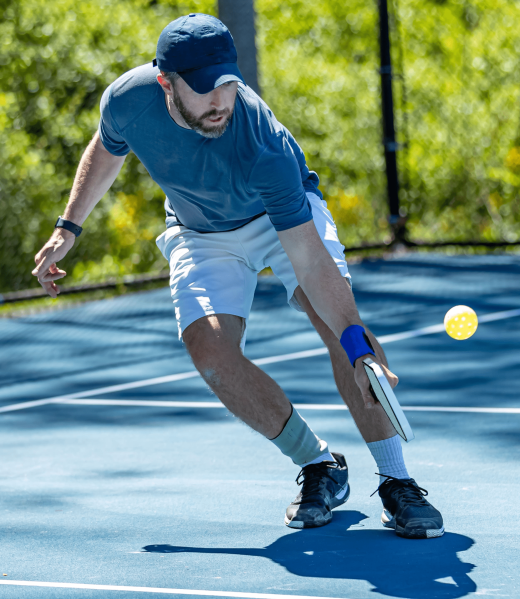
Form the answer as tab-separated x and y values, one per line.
415	533
339	499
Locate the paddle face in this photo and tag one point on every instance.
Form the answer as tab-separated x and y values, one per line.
381	390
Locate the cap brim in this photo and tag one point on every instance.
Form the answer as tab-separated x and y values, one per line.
207	79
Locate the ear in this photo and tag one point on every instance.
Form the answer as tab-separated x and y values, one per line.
164	83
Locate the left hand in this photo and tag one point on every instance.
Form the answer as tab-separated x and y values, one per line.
60	242
363	383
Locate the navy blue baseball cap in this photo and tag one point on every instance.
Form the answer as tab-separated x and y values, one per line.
201	50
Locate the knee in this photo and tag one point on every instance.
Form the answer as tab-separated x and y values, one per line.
208	360
212	376
213	358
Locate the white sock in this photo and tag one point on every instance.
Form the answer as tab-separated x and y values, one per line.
388	455
326	457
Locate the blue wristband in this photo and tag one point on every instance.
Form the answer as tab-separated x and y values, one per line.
355	342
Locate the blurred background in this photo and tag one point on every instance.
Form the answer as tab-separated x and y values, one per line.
317	64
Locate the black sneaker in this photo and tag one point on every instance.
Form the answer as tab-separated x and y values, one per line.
324	487
407	511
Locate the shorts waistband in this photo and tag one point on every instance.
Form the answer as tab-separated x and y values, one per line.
226	231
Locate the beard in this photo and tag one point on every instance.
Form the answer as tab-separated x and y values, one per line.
197	122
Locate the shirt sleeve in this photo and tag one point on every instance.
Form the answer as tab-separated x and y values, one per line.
277	178
109	133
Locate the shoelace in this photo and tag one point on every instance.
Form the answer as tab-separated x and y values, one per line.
307	476
409	492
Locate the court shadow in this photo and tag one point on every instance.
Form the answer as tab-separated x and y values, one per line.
412	569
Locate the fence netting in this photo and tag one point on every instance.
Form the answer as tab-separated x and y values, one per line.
457	107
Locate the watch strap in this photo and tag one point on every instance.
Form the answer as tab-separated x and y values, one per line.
68	225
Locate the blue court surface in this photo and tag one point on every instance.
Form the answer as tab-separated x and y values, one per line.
122	475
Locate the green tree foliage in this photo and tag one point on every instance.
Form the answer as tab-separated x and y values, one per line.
56	59
457	104
461	62
319	73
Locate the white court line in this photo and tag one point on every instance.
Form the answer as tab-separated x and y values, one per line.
112	389
142	402
155	381
499	315
298	406
465	410
110	587
436	328
29	404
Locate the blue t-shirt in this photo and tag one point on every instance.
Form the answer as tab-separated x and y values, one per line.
220	184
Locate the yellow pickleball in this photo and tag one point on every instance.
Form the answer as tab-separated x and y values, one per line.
460	322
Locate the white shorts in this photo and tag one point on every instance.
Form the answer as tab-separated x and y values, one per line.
216	273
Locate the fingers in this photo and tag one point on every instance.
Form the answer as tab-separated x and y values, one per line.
363	383
47	272
368	399
51	289
42	264
43	261
46	278
364	386
392	378
53	251
53	274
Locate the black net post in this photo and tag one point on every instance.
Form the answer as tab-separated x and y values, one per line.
239	17
397	222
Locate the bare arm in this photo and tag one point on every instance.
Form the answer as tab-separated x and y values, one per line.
328	292
319	277
96	172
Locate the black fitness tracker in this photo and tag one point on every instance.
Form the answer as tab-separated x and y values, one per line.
69	225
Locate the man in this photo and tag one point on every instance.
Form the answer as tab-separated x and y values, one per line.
239	197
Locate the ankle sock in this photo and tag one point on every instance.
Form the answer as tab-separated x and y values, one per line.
388	455
299	442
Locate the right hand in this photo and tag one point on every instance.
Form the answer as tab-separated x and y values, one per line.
363	383
60	242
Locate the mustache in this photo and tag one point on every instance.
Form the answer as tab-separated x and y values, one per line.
214	113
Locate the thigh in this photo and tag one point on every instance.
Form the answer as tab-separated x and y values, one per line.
281	265
208	275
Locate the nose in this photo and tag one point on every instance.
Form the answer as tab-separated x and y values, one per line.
217	100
